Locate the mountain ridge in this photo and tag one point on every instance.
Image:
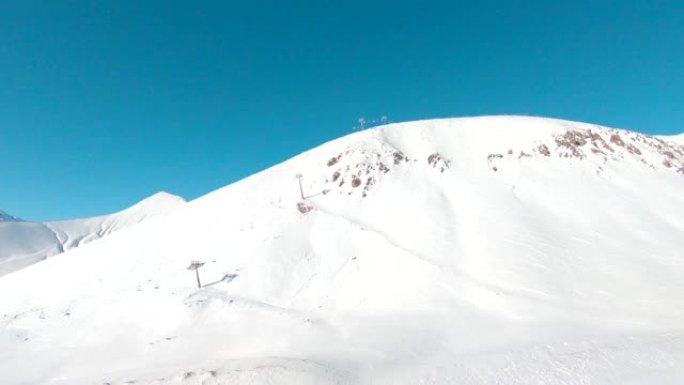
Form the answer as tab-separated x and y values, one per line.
6	217
24	243
425	265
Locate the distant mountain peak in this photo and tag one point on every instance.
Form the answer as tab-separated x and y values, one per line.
160	201
5	217
25	243
162	197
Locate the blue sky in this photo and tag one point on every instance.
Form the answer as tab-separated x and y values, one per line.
105	103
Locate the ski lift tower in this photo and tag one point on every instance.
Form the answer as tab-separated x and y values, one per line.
195	265
301	190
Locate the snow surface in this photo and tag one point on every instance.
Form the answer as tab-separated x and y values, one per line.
25	243
493	250
678	138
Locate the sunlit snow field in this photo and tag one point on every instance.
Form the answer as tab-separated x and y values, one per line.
493	250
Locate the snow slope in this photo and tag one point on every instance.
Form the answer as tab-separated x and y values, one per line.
678	138
492	250
24	243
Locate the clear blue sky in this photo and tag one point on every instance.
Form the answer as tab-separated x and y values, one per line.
103	103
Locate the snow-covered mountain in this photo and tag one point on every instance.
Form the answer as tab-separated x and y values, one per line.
493	250
24	243
5	217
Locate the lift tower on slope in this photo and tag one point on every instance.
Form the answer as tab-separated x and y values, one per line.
195	265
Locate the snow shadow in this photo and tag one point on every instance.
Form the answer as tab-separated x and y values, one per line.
229	277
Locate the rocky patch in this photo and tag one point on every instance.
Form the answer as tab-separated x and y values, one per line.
360	167
437	162
602	146
304	208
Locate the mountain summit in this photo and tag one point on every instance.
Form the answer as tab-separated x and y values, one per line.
509	250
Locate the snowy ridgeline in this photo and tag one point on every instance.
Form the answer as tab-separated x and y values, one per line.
4	217
494	250
24	243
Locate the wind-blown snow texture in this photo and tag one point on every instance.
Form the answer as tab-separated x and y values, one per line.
494	250
25	243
